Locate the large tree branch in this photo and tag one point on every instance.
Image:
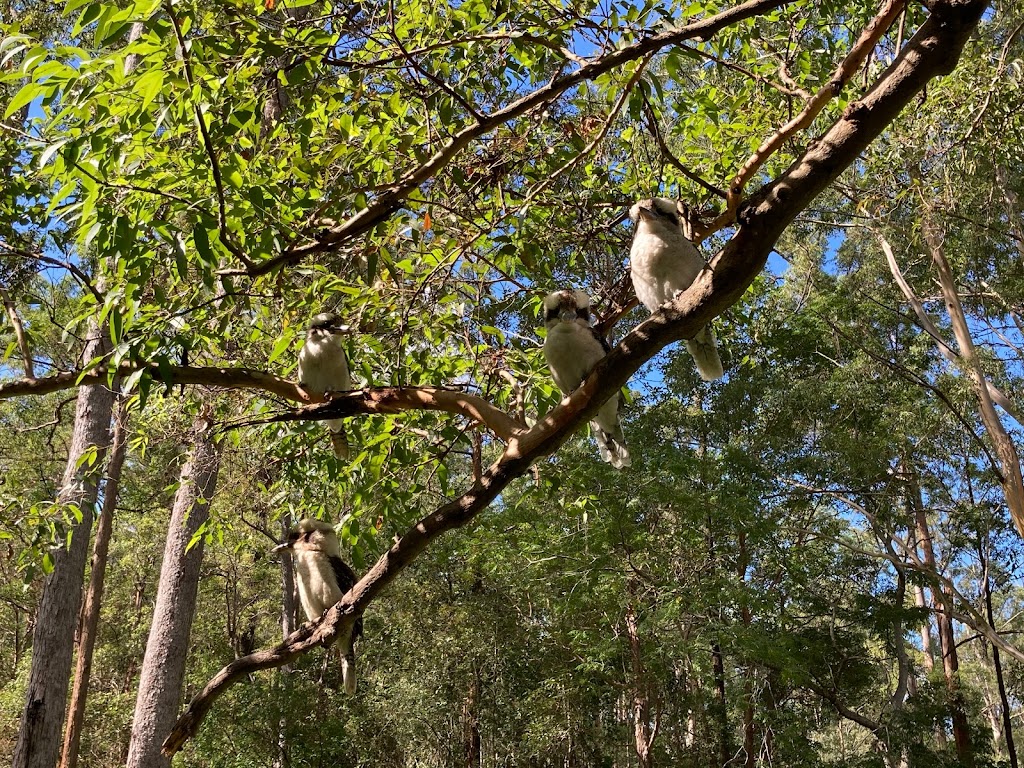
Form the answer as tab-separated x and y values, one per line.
934	50
391	199
364	401
397	399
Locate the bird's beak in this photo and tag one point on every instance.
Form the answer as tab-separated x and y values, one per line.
646	213
568	316
341	328
281	546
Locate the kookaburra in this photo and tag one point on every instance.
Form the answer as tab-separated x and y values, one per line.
663	263
323	368
323	579
572	348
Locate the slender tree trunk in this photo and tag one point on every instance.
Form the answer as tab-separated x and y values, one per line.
1000	684
12	315
289	620
471	745
643	732
89	621
39	737
947	641
1012	480
721	706
163	668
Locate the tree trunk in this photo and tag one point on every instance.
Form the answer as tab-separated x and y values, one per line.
471	746
643	732
1012	481
1000	684
163	668
721	706
39	736
947	643
89	621
289	620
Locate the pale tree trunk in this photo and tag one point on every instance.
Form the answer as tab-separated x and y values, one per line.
89	621
1009	462
749	741
12	315
947	642
39	736
926	322
163	667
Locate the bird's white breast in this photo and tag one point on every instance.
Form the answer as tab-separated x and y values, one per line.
662	262
318	587
322	365
571	351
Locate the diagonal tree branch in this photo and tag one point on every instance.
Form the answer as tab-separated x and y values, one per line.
929	327
934	50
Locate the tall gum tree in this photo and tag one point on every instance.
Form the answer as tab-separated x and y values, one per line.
468	172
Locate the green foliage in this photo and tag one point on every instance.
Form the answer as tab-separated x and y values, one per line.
150	184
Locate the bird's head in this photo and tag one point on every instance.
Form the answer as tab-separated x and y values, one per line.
311	536
327	323
656	211
566	307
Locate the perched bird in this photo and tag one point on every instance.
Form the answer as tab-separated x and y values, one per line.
663	263
572	348
323	368
324	578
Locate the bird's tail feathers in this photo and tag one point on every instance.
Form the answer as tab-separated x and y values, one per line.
704	351
348	672
339	440
612	445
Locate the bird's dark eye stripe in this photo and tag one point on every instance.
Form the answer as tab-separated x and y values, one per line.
552	313
668	215
583	314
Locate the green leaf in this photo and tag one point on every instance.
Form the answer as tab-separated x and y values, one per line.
28	93
202	240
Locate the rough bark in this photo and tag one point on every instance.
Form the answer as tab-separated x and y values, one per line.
1012	481
39	736
471	744
932	51
643	732
89	621
163	668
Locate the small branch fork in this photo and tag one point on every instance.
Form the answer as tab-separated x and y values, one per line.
934	50
869	37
